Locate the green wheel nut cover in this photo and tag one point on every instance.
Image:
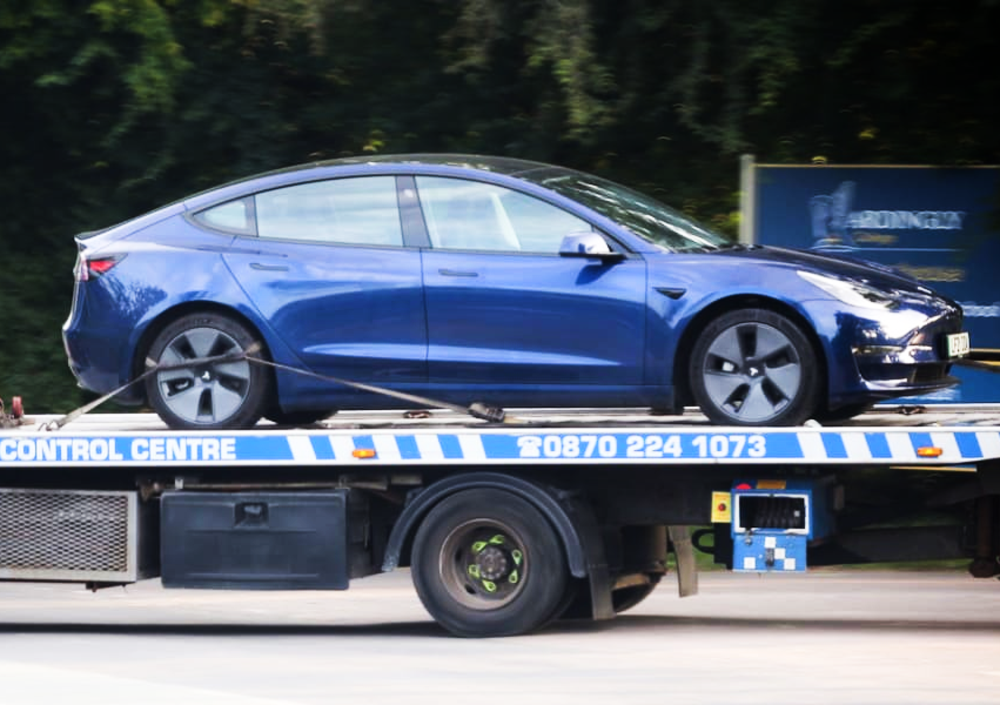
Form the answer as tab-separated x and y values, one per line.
478	546
490	586
517	556
498	540
513	578
474	570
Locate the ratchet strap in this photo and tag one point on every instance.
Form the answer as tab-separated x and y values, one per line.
476	410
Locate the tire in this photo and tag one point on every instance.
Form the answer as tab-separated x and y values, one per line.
627	598
487	563
227	395
754	367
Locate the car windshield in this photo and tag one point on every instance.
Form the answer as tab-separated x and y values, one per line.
646	217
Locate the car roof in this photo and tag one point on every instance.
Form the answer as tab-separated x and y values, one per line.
508	166
503	166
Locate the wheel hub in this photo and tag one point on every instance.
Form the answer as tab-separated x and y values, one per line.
493	563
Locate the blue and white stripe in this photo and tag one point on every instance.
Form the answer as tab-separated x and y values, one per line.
650	445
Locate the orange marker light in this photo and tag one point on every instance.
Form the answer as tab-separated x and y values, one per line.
929	452
363	453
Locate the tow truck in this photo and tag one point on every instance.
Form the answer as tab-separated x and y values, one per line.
506	525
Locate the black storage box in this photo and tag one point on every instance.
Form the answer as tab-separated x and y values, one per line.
255	540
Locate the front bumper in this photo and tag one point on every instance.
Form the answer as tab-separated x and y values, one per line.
894	353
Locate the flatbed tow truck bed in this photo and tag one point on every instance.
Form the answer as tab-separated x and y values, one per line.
506	526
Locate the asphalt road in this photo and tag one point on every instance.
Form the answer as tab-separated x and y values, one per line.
826	637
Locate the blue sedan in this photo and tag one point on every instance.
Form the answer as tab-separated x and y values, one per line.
468	278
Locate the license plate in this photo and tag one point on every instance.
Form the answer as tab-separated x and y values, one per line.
958	344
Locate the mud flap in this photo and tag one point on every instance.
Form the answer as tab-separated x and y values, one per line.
687	573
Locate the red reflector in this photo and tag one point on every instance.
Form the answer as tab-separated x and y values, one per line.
743	486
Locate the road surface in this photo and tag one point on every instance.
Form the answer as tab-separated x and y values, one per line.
825	637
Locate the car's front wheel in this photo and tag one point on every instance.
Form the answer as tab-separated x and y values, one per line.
227	393
754	367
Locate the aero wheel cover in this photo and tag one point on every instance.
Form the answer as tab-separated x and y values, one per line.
208	393
752	372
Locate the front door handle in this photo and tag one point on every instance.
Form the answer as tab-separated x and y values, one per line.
269	267
456	273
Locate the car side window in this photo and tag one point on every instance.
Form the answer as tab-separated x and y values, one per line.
233	217
357	211
470	215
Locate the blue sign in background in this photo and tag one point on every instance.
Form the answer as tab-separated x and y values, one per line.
940	225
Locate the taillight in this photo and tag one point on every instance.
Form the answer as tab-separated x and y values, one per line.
93	267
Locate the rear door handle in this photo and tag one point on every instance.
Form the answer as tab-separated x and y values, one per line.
269	267
456	273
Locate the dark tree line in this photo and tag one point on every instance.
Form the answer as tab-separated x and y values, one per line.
112	107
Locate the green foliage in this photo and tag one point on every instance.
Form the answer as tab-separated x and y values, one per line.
115	106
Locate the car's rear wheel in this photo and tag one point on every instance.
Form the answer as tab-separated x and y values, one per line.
231	393
754	367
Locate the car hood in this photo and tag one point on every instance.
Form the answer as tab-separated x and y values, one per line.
871	273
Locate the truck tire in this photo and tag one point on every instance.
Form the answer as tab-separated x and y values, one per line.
223	395
487	563
754	367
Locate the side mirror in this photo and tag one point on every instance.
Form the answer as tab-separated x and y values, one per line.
587	244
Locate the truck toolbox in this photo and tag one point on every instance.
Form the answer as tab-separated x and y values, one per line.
255	540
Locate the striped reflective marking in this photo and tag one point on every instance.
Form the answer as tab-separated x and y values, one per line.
878	445
900	447
812	445
664	446
946	442
343	447
856	446
386	448
968	446
302	448
472	446
989	443
429	447
833	443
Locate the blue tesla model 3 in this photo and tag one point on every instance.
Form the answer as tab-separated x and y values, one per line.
468	278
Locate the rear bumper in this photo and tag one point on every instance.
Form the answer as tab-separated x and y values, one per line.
92	353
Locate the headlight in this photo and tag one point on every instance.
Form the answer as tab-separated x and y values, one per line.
851	292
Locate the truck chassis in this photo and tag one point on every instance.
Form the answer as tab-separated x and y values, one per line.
504	526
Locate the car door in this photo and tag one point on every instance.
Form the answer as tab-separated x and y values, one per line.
329	271
504	309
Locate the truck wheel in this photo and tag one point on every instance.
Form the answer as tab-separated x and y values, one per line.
754	367
487	563
209	396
